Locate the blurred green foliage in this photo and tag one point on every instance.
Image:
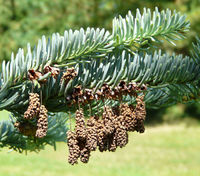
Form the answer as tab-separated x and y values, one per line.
23	21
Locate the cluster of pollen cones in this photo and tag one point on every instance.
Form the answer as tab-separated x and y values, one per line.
105	133
35	111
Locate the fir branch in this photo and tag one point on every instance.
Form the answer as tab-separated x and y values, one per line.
74	46
12	138
98	58
149	26
156	70
196	50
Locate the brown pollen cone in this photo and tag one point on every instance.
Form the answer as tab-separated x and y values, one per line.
91	141
84	150
42	122
102	137
34	106
74	150
121	137
129	117
85	155
112	143
120	134
108	120
80	127
140	112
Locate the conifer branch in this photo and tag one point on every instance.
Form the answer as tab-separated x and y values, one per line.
148	26
12	138
89	60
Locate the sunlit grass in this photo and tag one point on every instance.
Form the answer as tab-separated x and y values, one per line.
4	115
160	151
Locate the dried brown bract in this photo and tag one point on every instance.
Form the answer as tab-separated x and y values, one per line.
131	89
122	87
69	74
98	95
116	94
54	71
88	96
77	95
106	91
34	75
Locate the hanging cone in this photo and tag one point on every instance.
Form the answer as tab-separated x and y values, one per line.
80	127
129	117
74	150
42	123
92	134
102	137
108	120
34	106
85	155
112	143
140	112
120	135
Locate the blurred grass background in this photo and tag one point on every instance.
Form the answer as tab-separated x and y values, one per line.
169	147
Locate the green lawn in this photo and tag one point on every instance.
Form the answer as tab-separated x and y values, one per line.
4	115
160	151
